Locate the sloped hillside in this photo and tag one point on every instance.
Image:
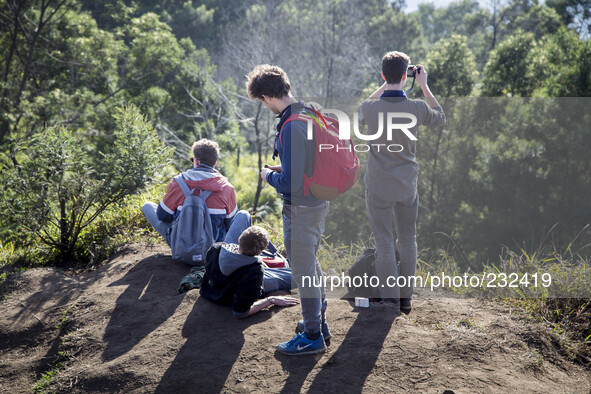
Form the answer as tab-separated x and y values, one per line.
124	328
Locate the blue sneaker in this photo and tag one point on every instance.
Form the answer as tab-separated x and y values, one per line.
300	344
325	331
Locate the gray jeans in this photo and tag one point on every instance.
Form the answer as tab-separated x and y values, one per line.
240	222
302	231
149	210
274	278
380	214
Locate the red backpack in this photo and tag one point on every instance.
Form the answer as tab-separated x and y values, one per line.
336	169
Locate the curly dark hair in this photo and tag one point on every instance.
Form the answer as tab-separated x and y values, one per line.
206	151
267	80
253	240
394	65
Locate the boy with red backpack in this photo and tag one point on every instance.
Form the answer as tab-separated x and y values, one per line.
303	213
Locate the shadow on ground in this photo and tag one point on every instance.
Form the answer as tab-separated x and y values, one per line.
149	300
214	342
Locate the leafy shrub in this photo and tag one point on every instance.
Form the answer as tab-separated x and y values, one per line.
54	193
120	225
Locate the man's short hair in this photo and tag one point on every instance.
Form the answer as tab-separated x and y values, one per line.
267	80
394	66
253	240
206	151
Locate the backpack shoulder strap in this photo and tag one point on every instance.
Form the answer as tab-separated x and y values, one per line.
295	117
312	113
205	194
187	192
301	117
183	185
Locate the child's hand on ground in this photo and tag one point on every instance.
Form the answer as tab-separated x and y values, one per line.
284	301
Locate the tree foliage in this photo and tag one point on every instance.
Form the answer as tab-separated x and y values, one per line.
451	67
67	66
75	73
562	65
574	14
528	16
505	72
55	192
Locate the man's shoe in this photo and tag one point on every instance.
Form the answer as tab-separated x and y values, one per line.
405	305
325	331
300	344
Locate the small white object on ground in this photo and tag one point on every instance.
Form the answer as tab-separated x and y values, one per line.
362	302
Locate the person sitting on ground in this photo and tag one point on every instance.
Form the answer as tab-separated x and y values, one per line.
235	276
221	204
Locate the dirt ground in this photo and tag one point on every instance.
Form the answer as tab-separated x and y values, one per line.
124	328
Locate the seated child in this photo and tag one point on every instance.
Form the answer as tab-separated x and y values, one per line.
235	276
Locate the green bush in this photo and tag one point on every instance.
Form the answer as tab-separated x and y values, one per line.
54	193
122	224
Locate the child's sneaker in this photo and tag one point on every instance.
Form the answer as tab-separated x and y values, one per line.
300	344
325	331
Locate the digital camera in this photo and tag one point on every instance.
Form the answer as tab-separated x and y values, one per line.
412	71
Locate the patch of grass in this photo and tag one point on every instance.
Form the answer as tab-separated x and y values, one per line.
550	287
13	254
121	225
65	320
274	227
339	258
468	323
62	358
118	226
12	260
8	252
45	380
245	178
563	303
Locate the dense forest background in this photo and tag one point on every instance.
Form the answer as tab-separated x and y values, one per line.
100	99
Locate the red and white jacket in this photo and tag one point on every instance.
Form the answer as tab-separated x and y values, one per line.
221	204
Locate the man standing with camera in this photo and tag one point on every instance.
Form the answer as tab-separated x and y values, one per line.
391	177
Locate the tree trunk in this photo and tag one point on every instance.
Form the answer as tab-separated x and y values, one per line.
66	247
4	123
434	174
495	5
259	144
330	55
16	14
